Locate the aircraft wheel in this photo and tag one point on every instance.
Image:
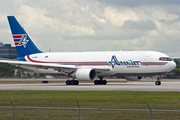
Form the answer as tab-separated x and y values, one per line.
67	82
72	82
100	82
158	83
95	82
76	82
104	82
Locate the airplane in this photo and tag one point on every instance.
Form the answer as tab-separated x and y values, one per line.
89	66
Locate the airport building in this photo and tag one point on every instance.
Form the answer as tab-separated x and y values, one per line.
7	51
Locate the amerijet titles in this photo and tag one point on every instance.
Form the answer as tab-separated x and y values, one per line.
114	62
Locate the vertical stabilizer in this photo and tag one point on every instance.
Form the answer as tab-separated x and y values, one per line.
22	41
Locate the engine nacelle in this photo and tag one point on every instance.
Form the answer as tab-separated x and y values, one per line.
85	74
133	78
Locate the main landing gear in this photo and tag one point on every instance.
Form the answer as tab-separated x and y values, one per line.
158	82
72	82
100	82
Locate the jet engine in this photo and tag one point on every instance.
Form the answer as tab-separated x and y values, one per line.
133	78
85	74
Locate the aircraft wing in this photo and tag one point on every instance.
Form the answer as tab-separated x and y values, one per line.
58	67
37	65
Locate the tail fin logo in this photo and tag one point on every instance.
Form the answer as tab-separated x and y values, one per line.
20	40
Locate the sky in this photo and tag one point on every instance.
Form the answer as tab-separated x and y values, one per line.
96	25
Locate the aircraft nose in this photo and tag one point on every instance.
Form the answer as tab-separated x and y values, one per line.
172	65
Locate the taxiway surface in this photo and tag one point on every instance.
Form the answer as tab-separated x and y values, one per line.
173	85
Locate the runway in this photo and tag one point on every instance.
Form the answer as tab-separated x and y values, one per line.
173	85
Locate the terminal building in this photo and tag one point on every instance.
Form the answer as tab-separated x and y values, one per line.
6	51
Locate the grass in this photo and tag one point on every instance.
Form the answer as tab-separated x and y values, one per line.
89	99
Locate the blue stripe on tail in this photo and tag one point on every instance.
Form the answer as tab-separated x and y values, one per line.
22	41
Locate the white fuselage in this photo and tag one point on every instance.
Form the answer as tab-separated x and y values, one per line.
120	63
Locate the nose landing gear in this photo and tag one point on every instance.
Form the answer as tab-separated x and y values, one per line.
158	82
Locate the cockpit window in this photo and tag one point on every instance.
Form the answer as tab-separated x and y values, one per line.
165	59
